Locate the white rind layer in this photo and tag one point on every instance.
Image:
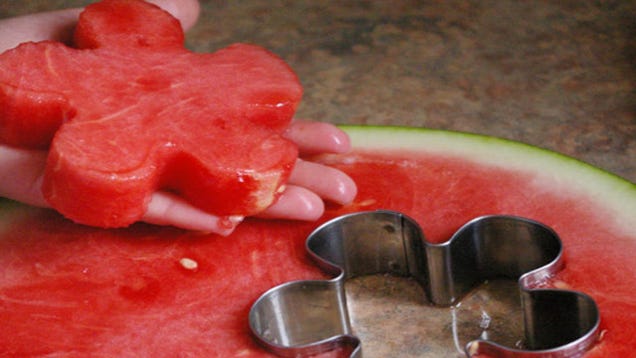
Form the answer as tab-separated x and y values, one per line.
544	166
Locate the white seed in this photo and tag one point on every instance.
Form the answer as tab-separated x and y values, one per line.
189	264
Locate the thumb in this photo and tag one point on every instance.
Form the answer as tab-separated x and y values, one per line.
58	25
53	25
186	11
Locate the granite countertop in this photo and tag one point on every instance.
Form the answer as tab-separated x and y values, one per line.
558	75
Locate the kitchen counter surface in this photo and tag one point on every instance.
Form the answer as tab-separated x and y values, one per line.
558	75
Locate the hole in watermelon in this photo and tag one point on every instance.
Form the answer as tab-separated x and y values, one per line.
392	319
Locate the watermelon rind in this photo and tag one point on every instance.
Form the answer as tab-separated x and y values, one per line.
548	170
613	192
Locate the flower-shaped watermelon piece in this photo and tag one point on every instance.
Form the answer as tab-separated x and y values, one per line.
128	110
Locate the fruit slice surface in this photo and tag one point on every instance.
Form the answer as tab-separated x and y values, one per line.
145	290
129	111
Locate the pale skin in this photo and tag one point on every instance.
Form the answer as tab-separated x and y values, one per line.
308	187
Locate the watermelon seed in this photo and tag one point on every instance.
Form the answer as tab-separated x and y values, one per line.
561	285
367	202
189	264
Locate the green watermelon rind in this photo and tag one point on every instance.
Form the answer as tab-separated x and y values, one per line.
612	191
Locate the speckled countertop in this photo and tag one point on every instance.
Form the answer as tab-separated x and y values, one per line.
559	75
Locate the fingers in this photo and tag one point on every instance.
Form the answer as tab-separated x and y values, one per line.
58	25
303	199
167	209
54	25
317	137
187	11
327	182
311	183
21	175
296	203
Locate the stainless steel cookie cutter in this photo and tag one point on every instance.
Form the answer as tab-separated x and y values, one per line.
308	317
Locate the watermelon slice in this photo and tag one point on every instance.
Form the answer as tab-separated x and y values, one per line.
72	290
129	111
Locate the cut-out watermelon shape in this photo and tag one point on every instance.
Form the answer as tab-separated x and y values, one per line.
67	289
129	111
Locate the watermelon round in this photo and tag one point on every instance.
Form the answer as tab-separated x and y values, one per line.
72	290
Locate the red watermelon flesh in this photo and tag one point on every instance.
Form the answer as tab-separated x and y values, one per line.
129	111
71	290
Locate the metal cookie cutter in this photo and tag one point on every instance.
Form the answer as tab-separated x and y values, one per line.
308	317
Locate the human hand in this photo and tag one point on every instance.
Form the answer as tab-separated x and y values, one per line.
21	170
